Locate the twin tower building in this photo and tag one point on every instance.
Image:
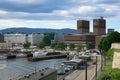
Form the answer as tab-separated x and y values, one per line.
83	32
99	26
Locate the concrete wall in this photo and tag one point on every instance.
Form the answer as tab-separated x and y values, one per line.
115	45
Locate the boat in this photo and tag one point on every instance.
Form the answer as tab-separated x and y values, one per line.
11	56
3	57
21	55
39	54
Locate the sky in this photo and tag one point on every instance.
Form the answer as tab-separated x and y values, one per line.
58	14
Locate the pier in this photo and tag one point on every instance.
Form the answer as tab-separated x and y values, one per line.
44	74
46	57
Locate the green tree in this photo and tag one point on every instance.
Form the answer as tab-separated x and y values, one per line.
89	45
53	45
26	45
71	46
105	43
60	45
41	45
46	40
51	35
79	47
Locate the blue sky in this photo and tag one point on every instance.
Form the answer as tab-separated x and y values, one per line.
57	14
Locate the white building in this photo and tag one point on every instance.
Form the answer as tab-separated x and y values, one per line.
15	39
35	38
20	39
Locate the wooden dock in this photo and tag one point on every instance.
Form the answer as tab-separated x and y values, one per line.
46	57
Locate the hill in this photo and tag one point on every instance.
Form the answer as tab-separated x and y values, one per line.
37	30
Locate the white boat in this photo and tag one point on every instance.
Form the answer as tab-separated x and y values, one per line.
3	57
21	55
39	54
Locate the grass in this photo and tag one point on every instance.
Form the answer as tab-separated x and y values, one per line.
108	71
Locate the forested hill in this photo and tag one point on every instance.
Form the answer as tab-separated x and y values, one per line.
37	30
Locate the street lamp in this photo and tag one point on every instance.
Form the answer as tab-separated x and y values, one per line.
85	68
96	68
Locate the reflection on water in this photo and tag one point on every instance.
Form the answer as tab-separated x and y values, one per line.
15	67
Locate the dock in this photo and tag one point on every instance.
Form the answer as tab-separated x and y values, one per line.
44	74
46	57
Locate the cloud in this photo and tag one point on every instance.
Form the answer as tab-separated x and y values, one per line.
17	11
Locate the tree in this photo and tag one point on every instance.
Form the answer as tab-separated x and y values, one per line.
89	45
41	45
105	43
79	47
61	46
71	46
26	45
53	45
46	40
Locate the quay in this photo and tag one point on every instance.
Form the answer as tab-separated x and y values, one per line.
46	57
44	74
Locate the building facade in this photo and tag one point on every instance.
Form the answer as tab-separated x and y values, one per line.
20	39
1	37
79	38
99	26
15	39
59	38
82	26
35	38
83	35
110	30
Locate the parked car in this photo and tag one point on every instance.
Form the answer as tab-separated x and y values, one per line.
94	63
70	67
61	72
66	69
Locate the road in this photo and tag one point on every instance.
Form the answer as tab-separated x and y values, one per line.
80	74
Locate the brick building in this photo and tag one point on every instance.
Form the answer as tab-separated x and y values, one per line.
99	26
82	26
83	35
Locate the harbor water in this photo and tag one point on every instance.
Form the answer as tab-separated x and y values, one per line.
16	67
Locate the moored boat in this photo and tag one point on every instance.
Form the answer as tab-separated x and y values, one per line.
3	57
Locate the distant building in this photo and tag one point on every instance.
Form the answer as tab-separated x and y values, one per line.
35	38
110	30
83	35
79	38
6	45
15	39
98	39
82	26
1	37
99	26
20	39
59	38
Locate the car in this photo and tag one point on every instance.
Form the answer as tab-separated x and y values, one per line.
70	67
94	63
61	72
66	69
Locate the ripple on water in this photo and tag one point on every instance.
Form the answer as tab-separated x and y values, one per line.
2	66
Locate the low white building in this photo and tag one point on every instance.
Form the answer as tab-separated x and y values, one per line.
20	39
35	38
15	39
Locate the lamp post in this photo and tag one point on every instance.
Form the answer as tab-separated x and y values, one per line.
85	69
96	68
101	60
